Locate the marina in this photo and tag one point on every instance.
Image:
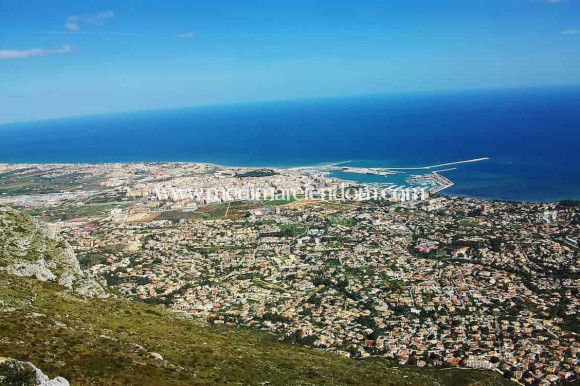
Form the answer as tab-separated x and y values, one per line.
433	181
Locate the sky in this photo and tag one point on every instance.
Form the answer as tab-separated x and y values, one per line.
63	58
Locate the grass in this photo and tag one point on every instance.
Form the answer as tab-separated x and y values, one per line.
68	212
468	223
347	221
31	182
290	230
269	202
108	342
260	283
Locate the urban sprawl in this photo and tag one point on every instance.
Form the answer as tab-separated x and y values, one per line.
434	281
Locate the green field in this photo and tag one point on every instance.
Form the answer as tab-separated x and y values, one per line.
68	212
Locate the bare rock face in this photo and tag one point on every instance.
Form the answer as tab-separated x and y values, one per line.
29	248
16	373
35	269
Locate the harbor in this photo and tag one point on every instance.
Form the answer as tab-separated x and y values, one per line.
431	181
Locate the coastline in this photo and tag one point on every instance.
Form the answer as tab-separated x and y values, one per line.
324	168
376	132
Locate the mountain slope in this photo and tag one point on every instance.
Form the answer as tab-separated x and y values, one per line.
113	342
30	249
110	341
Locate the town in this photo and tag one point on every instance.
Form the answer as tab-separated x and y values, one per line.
439	281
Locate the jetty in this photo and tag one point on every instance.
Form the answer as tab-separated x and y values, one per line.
441	165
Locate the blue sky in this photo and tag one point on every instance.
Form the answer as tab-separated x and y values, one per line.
63	58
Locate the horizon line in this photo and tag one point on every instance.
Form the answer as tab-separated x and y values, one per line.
291	99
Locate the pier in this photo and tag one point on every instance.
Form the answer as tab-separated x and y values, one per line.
441	165
390	170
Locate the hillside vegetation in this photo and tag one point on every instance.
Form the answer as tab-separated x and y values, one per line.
110	341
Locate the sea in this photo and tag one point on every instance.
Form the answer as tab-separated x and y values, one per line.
532	137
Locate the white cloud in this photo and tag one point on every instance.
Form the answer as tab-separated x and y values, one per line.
570	32
72	26
92	33
188	35
74	23
20	54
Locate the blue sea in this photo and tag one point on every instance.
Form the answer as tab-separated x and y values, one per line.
531	135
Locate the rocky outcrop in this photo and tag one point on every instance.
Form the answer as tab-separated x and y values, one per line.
17	373
29	248
156	356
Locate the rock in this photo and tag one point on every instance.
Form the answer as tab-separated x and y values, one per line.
37	270
14	372
58	381
29	248
156	356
